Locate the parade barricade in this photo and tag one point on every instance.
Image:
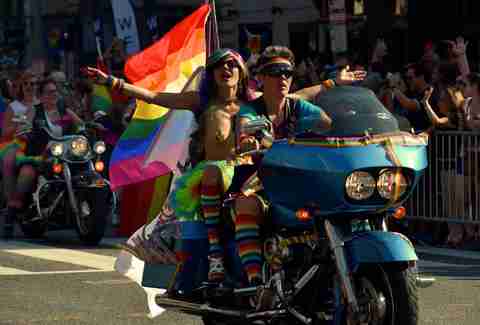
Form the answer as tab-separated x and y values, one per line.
450	188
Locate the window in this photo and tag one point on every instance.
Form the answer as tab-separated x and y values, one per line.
358	7
401	7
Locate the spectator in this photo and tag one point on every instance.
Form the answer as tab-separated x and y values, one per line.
452	168
417	80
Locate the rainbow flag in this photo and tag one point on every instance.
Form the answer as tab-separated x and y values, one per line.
101	98
165	66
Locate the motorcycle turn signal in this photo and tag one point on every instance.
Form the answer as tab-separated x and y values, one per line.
99	166
57	168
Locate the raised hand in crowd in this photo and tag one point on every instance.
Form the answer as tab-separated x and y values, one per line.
458	50
348	77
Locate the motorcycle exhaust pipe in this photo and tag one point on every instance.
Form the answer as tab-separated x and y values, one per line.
424	282
194	308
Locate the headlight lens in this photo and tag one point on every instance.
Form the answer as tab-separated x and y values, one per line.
99	147
79	147
56	149
388	181
360	185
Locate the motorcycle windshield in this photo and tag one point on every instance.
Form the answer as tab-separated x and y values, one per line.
354	111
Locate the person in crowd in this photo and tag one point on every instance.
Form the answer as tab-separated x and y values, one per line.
24	171
451	116
417	80
116	56
471	110
24	92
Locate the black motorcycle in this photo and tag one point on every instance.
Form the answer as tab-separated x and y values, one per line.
70	191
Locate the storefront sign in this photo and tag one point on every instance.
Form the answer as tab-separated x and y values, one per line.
126	25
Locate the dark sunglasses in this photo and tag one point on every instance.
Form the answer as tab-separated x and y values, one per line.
231	64
29	83
278	72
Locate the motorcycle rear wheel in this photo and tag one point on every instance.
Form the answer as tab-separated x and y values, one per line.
94	209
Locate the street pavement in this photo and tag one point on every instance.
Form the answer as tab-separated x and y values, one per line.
58	281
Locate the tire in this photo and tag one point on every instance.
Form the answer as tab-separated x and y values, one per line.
399	289
405	296
34	230
94	223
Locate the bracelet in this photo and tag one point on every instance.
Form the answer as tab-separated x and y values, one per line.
329	83
121	83
114	83
109	81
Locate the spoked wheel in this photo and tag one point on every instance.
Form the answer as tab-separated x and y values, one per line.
385	298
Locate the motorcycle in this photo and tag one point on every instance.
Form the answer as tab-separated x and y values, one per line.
70	191
329	257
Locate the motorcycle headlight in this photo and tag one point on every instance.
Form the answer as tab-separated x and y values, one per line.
360	185
79	147
390	181
56	149
99	147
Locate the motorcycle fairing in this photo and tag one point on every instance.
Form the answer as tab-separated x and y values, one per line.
317	174
378	247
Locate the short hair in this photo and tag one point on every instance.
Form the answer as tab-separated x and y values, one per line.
420	70
42	84
276	51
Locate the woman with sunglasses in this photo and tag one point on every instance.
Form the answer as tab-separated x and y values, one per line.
20	165
221	97
275	70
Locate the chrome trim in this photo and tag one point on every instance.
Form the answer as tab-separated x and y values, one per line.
36	196
305	279
71	195
337	244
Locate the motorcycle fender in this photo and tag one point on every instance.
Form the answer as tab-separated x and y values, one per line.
379	247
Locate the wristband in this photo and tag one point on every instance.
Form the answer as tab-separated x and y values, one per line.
329	83
109	81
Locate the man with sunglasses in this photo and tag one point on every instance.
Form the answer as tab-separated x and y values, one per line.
275	72
418	80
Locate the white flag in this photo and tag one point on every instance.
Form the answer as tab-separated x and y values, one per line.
126	25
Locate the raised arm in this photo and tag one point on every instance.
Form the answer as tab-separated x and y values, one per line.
436	121
459	49
344	77
186	100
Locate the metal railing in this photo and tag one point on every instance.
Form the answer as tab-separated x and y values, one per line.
450	188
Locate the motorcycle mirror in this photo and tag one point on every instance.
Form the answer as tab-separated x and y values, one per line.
252	127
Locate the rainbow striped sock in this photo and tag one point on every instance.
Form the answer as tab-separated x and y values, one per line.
247	235
211	201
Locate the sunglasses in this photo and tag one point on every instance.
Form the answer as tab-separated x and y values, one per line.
278	72
29	83
230	64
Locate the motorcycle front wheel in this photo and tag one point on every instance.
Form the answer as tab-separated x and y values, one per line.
386	296
93	209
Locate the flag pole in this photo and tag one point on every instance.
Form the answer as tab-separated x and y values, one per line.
212	37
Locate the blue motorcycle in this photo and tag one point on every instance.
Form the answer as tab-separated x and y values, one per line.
329	257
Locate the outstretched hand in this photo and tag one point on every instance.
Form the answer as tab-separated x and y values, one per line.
458	47
347	77
97	75
427	95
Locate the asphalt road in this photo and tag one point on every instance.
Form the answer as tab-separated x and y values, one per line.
59	281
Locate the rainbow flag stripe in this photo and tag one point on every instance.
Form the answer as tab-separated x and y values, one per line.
101	99
165	66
